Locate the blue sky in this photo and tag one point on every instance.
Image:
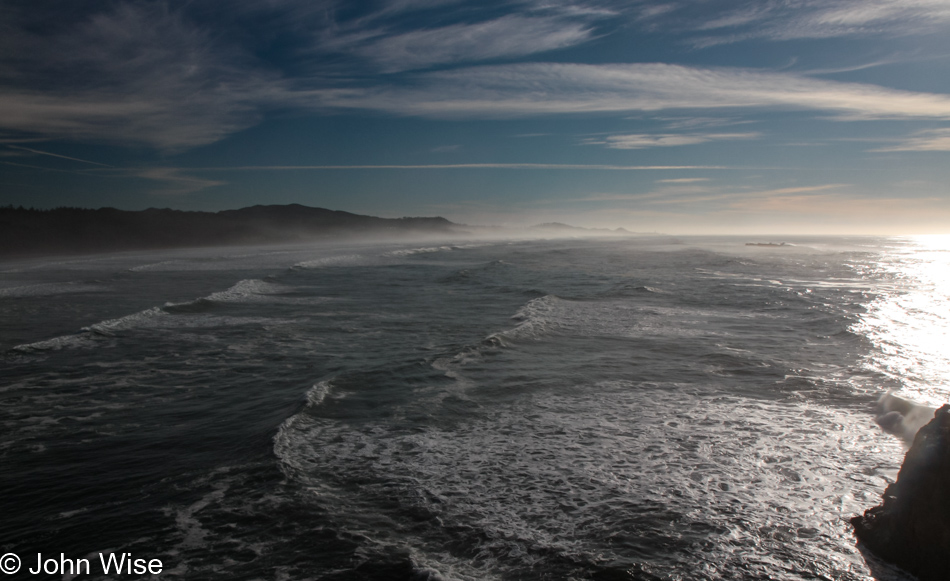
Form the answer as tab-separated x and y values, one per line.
728	116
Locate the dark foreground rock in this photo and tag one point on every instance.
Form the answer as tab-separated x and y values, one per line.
911	528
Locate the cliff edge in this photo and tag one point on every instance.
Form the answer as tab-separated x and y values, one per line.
911	528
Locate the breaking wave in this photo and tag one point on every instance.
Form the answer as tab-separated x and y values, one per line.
171	315
343	260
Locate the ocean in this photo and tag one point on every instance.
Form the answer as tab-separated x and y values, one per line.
643	408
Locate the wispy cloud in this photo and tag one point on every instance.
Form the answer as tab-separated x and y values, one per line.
842	208
39	152
682	180
39	167
711	198
821	213
652	11
508	36
171	181
766	197
740	16
148	73
691	192
643	140
400	6
182	181
694	123
687	193
735	21
140	73
145	73
19	140
549	88
930	140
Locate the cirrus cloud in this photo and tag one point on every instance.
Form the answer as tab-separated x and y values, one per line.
138	74
517	90
644	140
509	36
143	73
929	140
732	21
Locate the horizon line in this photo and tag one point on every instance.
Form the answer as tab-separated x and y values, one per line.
566	166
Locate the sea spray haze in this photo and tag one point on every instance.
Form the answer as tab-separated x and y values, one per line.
638	408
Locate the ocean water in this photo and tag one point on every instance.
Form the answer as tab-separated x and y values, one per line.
640	408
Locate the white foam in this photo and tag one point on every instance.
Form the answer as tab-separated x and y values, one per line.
164	265
156	317
606	318
318	393
246	290
189	526
565	473
342	260
109	327
473	245
425	250
57	343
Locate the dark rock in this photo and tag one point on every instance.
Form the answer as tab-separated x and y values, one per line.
911	528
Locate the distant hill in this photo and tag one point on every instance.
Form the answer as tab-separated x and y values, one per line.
28	232
562	229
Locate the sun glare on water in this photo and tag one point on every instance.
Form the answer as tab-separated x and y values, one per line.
909	321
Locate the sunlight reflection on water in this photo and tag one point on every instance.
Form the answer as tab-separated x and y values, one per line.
907	323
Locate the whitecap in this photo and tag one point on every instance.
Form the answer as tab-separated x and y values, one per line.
246	290
411	251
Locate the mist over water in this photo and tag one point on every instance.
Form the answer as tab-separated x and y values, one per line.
641	408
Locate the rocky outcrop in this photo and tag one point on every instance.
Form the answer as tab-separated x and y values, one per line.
911	528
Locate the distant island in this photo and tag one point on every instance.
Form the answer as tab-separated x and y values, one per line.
29	232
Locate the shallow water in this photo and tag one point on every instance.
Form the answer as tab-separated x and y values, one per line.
643	408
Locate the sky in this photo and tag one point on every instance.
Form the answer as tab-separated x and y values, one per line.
680	116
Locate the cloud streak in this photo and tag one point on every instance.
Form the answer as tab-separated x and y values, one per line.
145	74
643	141
683	192
843	208
39	152
140	73
172	181
808	19
553	88
931	140
509	36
